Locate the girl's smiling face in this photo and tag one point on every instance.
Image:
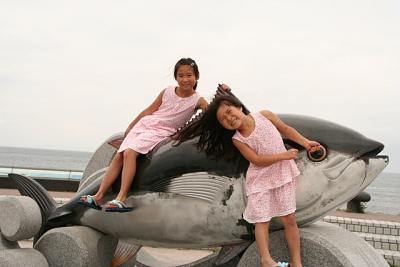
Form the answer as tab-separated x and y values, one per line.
230	117
186	77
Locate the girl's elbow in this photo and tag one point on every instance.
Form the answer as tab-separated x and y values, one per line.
262	162
257	162
289	131
148	111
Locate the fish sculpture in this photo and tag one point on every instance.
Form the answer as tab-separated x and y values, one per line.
184	199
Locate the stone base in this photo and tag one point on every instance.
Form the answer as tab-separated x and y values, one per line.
322	244
7	244
22	257
20	217
76	246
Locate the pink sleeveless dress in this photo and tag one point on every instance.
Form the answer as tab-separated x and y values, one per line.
270	190
150	130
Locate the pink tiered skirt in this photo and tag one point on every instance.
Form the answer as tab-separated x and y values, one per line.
276	202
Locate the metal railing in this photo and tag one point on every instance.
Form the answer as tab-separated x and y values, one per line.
42	173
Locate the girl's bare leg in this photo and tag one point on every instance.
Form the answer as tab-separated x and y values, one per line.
262	239
128	173
110	176
292	236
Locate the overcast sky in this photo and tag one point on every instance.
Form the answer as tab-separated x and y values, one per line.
72	73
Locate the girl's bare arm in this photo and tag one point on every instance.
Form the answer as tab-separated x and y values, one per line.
263	160
202	104
291	132
149	110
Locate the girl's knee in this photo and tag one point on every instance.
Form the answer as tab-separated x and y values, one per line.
289	220
119	157
130	154
261	224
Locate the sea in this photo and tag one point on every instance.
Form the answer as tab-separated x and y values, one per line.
384	190
44	163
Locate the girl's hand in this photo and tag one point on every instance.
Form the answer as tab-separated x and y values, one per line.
116	143
312	146
290	154
224	87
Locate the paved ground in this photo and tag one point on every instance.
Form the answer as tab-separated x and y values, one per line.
368	216
162	257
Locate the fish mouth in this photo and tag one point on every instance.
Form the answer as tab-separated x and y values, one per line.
367	158
373	155
370	149
340	164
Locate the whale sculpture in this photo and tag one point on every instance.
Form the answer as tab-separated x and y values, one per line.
183	199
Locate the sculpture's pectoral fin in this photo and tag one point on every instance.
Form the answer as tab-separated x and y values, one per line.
230	251
124	252
201	185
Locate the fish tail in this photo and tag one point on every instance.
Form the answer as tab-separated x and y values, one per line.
31	188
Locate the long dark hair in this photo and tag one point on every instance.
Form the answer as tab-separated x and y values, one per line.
188	62
214	140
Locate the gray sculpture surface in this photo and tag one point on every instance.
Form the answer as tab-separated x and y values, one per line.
184	199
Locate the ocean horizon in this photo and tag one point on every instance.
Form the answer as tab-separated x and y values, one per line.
383	190
39	158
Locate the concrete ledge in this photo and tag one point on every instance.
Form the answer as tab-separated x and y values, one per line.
392	257
366	226
382	241
51	184
382	235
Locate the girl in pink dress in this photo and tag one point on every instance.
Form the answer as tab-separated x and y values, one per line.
228	128
171	109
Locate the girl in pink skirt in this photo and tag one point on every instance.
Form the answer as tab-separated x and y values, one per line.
270	178
171	109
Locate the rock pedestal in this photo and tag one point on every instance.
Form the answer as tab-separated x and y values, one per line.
22	257
76	246
20	218
322	244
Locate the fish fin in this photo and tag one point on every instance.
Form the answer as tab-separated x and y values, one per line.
228	252
124	252
200	185
29	187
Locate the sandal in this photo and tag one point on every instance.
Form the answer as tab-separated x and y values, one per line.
117	206
282	264
89	201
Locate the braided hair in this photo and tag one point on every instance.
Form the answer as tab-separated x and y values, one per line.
214	140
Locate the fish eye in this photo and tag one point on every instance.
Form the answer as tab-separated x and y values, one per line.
318	155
